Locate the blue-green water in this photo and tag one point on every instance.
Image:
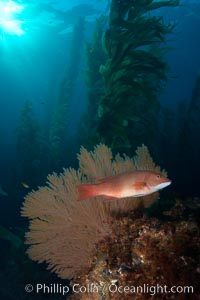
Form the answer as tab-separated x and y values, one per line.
54	98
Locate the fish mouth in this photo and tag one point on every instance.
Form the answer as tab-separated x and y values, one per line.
162	185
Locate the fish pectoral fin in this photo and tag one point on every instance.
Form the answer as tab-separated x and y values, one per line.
139	185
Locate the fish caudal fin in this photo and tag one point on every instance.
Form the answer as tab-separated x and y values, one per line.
86	191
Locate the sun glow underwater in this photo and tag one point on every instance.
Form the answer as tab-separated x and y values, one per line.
10	22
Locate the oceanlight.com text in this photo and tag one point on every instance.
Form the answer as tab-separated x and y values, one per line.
113	288
151	289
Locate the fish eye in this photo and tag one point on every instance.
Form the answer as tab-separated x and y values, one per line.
158	176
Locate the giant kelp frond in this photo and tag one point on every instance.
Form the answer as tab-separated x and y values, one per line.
61	116
95	56
163	3
64	232
134	73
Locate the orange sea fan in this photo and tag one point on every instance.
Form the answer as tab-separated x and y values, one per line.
64	232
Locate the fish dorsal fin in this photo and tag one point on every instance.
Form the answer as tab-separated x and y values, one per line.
139	185
105	179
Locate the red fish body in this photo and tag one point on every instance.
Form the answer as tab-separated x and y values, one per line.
132	184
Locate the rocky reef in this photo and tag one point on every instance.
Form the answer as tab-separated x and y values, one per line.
146	257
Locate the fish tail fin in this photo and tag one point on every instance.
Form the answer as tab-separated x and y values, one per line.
86	191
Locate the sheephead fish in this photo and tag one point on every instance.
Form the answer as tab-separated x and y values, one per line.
131	184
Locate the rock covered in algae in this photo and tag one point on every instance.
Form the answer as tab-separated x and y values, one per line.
142	256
